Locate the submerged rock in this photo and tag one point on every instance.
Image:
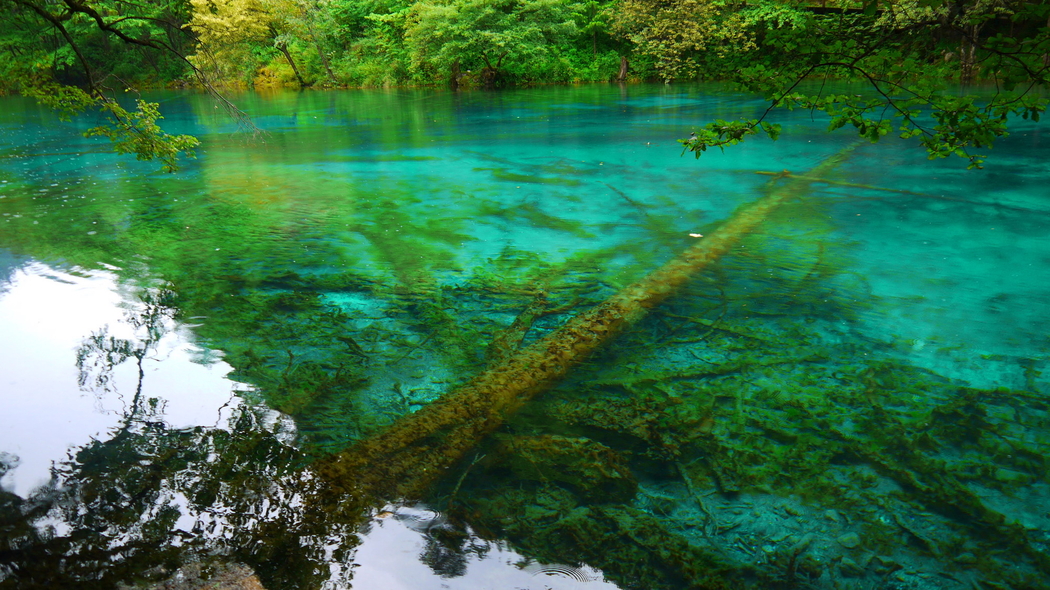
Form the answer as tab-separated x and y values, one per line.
850	569
206	576
849	540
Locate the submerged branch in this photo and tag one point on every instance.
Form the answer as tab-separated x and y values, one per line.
418	449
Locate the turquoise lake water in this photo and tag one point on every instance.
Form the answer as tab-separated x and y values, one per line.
853	396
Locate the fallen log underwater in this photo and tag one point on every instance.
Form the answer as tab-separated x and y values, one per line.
403	461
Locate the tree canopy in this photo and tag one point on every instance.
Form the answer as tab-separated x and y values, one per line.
485	35
76	55
908	53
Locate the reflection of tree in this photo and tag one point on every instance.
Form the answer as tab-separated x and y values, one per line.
448	550
101	353
152	498
9	265
124	509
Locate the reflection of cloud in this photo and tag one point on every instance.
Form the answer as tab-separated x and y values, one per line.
404	543
7	463
44	317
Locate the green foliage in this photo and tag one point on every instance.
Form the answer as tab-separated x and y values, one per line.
450	37
89	42
904	52
136	132
66	101
382	56
724	133
592	19
66	54
132	132
227	33
675	34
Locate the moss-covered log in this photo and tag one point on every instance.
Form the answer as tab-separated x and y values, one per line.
404	460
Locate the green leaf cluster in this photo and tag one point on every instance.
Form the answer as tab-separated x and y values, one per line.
905	54
132	132
136	132
486	35
724	133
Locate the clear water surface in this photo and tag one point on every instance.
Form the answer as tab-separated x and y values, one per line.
853	396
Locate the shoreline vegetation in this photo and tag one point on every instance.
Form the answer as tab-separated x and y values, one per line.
242	44
78	55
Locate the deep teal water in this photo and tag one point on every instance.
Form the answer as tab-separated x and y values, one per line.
178	349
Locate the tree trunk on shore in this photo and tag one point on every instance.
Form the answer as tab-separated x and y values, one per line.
282	46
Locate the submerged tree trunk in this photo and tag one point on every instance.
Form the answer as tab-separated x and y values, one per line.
406	459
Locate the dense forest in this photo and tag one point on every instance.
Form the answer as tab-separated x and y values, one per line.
77	54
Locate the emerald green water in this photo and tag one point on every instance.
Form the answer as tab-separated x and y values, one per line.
853	397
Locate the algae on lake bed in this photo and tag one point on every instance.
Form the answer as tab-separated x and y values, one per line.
818	460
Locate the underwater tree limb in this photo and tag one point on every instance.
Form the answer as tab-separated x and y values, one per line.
840	183
417	450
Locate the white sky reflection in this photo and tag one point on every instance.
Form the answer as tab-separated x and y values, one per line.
389	558
45	316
